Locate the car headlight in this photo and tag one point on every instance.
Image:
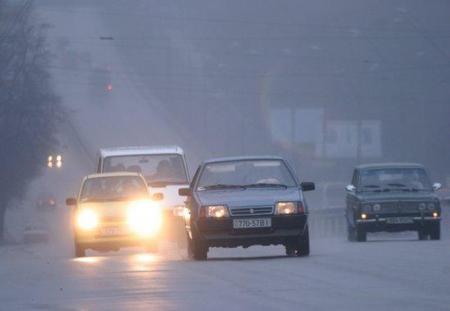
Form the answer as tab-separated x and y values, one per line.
215	211
367	208
87	219
376	207
144	217
286	208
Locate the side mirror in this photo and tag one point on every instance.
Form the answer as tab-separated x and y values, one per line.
437	186
308	186
157	196
185	192
350	188
71	201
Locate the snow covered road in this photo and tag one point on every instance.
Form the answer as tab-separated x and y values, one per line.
397	273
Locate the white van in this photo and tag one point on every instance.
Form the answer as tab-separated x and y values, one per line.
163	167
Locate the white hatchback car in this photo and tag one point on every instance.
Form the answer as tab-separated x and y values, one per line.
165	170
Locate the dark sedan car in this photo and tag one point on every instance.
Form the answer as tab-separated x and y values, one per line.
392	197
246	201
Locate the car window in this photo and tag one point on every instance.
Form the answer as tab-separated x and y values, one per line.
113	188
394	179
245	173
162	168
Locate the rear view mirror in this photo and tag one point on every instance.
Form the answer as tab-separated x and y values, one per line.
71	201
350	188
437	186
308	186
157	196
185	192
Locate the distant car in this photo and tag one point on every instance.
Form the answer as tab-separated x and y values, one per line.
392	197
246	201
112	211
165	171
35	234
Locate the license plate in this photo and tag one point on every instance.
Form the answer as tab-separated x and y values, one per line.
399	220
112	231
252	223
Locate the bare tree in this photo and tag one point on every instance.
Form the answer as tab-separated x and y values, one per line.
29	110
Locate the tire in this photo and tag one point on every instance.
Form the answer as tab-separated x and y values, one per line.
79	251
290	250
361	235
196	249
435	232
422	235
303	248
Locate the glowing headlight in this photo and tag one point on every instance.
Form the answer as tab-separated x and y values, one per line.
216	211
87	219
286	208
144	217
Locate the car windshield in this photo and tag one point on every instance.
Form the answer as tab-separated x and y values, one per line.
116	188
157	169
245	174
391	179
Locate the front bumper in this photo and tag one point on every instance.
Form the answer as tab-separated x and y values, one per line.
125	238
220	232
382	223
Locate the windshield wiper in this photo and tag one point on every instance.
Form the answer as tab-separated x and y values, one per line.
372	188
265	185
222	186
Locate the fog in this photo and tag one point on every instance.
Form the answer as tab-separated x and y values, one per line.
230	78
325	84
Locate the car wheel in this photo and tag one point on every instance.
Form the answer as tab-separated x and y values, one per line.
290	250
422	235
435	232
196	249
361	235
79	250
303	247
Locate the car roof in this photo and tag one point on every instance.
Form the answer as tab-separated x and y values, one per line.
140	150
389	165
113	174
242	158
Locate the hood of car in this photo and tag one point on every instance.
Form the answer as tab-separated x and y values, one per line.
397	196
107	209
248	197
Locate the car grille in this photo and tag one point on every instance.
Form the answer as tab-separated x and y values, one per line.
251	210
399	207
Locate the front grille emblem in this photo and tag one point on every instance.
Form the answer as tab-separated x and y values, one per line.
252	211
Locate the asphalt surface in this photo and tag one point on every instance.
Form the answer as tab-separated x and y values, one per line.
390	272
